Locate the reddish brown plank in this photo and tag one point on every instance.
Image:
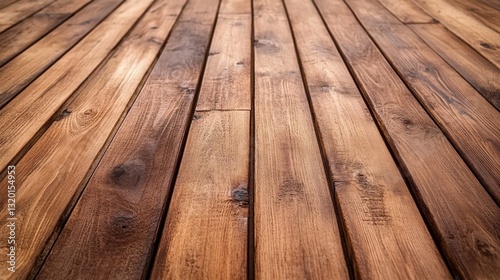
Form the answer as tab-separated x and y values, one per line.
20	10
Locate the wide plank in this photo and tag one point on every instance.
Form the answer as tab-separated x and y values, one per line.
20	10
24	34
130	186
295	227
371	193
407	11
46	193
205	235
34	108
479	72
480	37
22	70
461	214
467	119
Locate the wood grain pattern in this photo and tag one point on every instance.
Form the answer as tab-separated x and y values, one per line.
462	215
296	233
205	233
371	193
29	112
479	36
480	11
492	3
130	186
478	71
22	35
26	67
5	3
471	123
46	194
20	10
407	11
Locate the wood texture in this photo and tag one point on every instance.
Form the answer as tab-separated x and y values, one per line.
29	112
20	10
461	214
407	11
5	3
130	186
296	232
22	70
478	71
479	36
471	123
81	133
370	191
479	11
22	35
205	233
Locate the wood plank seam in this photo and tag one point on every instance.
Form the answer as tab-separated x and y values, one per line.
251	168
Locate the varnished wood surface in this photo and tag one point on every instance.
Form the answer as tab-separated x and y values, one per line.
250	139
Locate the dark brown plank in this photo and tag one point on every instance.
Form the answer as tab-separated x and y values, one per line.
462	215
24	34
131	184
373	198
296	230
22	70
478	71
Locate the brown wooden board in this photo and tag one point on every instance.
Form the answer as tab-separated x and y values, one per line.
371	193
296	230
480	11
24	34
114	226
479	72
20	10
22	70
407	11
460	212
5	3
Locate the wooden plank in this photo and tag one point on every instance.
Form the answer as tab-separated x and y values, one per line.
371	193
478	71
480	11
471	123
479	36
25	68
464	220
296	231
407	11
53	175
5	3
205	234
492	3
29	112
22	35
130	185
20	10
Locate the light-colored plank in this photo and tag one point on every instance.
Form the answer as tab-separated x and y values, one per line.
371	193
459	211
471	123
22	35
480	11
52	175
479	36
296	231
205	233
20	10
29	112
407	11
131	183
478	71
26	67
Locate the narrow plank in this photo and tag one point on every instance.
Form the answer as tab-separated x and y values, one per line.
29	112
26	67
478	71
5	3
469	120
407	11
130	185
296	231
371	193
480	37
20	10
205	233
52	175
480	11
464	220
22	35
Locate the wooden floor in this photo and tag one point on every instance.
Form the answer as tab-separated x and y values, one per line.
234	139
